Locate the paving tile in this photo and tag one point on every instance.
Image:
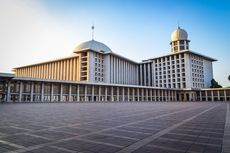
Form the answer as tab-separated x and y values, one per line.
130	134
199	148
32	127
82	146
46	150
11	130
55	135
25	140
147	149
73	130
110	139
139	129
6	148
212	149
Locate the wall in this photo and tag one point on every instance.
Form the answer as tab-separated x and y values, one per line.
64	69
208	73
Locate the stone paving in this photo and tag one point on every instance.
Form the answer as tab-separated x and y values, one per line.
137	127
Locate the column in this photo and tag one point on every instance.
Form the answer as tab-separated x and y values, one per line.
169	95
112	94
212	95
42	92
20	92
166	95
206	95
117	71
142	94
218	95
70	92
148	74
85	95
151	95
31	91
106	93
8	98
61	92
225	96
146	95
155	95
141	78
145	77
52	92
123	94
122	76
92	93
133	94
138	94
153	73
118	93
128	93
78	97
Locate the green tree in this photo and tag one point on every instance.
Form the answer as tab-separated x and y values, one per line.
215	84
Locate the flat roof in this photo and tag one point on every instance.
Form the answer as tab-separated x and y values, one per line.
45	62
185	51
7	75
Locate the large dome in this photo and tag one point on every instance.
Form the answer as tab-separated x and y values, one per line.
92	45
179	34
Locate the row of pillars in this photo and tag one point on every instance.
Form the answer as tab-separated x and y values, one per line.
141	94
212	95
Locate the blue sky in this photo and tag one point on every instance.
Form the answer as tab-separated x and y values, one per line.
34	31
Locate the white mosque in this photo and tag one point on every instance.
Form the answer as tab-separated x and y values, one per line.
95	73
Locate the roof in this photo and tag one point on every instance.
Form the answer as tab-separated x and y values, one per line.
179	34
7	75
45	62
185	51
92	45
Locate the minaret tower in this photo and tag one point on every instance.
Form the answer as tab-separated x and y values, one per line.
179	40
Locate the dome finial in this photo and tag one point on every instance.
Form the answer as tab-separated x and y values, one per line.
178	24
92	31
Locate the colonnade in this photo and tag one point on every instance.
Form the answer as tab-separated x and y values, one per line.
18	90
221	94
24	91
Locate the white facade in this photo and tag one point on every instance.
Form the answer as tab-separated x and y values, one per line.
112	68
182	68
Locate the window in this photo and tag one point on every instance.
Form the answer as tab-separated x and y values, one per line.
181	41
181	47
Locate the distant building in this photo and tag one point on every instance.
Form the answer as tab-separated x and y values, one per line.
176	76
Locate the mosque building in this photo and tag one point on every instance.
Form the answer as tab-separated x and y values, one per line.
95	73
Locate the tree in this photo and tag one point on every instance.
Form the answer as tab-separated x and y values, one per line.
215	84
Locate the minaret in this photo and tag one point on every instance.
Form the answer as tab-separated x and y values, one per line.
179	40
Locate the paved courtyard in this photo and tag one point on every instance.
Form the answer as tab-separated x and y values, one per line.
138	127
